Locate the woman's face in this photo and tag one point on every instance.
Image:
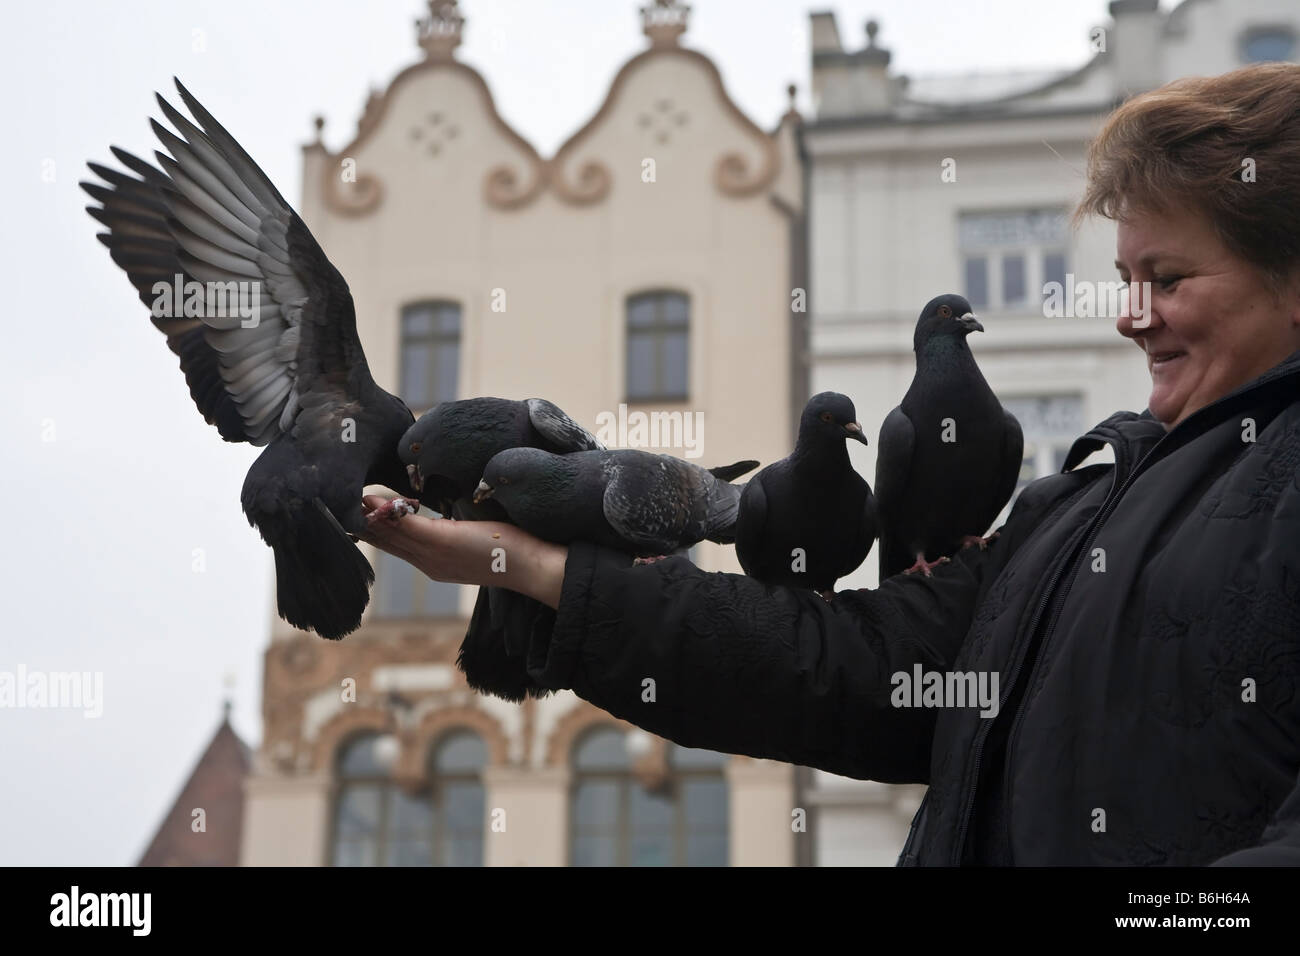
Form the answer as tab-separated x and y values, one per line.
1212	323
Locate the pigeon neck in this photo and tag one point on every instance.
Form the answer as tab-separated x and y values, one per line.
947	351
820	449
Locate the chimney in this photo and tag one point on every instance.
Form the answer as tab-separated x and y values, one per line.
1133	46
848	84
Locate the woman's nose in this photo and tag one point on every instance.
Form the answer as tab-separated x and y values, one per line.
1137	312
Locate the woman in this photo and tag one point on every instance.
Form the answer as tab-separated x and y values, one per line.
1143	618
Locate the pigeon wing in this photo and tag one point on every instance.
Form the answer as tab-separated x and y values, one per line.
894	458
650	507
752	525
1009	463
559	429
210	215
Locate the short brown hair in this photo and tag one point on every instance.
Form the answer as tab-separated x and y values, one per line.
1184	146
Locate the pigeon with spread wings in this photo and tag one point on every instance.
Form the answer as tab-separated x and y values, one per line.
266	334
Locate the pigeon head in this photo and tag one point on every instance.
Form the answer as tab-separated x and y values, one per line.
394	418
946	315
522	474
829	417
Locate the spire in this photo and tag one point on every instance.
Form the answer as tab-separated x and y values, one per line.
439	32
664	21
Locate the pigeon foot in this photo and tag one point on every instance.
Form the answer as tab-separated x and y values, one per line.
658	557
925	566
393	510
970	539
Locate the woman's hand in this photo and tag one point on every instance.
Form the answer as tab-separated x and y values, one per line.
469	552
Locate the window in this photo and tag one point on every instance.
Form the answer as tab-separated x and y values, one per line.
402	591
618	821
1267	44
1050	423
1008	256
658	328
430	353
458	799
376	823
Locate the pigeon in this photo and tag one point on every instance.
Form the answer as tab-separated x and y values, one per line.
949	456
266	334
445	453
634	501
809	519
447	450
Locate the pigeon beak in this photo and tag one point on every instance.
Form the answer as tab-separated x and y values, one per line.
413	473
855	432
482	492
970	323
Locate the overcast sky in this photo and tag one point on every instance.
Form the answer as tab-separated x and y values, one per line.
113	477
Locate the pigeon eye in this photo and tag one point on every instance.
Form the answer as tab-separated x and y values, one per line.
945	312
826	417
415	448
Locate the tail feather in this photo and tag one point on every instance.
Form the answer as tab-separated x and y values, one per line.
733	471
491	656
322	578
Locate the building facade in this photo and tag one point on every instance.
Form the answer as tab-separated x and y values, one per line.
613	278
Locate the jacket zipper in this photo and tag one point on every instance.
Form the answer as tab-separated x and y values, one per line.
1116	492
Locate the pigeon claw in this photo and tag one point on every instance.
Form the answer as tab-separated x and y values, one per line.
393	510
658	557
970	539
925	566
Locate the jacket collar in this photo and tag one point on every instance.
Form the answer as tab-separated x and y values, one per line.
1139	433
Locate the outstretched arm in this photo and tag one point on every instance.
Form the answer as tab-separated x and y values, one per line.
721	661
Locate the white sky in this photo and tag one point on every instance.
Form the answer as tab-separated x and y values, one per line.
98	573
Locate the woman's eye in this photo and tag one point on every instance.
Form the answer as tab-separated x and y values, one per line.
1167	282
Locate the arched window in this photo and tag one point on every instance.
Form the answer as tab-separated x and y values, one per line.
377	823
658	340
430	353
616	821
458	799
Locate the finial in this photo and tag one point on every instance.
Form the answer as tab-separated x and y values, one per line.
664	21
872	29
229	683
319	122
790	91
439	32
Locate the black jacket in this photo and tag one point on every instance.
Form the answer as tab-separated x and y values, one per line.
1143	619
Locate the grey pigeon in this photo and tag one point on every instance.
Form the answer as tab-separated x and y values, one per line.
446	452
809	519
637	502
949	455
284	370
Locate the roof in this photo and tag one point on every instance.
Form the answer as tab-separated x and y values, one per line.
216	786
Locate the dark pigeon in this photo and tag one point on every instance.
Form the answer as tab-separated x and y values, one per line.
290	375
446	452
812	501
637	502
939	495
